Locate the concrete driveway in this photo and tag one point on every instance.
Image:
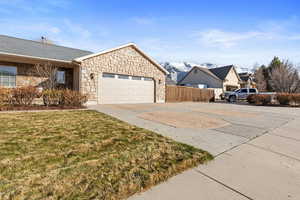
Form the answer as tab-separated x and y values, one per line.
256	149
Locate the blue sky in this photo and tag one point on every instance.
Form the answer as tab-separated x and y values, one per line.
240	32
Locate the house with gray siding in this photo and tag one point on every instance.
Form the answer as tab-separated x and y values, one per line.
225	78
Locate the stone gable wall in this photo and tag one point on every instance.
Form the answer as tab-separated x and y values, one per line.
126	61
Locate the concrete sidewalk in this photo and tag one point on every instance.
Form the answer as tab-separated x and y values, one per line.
266	168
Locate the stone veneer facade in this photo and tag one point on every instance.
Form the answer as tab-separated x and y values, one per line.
127	61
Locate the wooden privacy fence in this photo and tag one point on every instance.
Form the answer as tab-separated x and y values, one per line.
181	93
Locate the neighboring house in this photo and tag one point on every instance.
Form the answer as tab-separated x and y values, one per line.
247	80
169	81
121	75
229	76
200	77
225	78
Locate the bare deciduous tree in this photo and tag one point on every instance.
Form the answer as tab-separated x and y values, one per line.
260	80
47	71
285	78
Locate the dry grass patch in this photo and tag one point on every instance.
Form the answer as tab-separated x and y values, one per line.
84	155
183	119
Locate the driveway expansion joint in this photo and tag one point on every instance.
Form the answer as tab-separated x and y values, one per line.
289	138
275	152
223	184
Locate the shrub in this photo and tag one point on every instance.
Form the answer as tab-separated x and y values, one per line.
5	97
283	98
251	99
296	98
63	98
73	98
288	99
52	97
259	99
24	95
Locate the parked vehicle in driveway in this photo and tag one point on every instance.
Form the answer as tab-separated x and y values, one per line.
239	94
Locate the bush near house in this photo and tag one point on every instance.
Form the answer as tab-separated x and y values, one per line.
288	99
51	97
63	98
259	99
251	99
22	98
73	98
284	99
5	96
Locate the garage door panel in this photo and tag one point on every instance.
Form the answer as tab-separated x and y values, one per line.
117	91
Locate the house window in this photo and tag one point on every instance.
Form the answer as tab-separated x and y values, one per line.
195	71
61	77
8	76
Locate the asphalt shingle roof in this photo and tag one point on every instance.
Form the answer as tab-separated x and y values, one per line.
205	70
37	49
221	72
208	72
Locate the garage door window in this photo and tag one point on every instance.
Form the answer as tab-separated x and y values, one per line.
147	79
107	75
123	77
136	78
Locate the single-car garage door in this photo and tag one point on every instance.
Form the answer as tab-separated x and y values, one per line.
117	89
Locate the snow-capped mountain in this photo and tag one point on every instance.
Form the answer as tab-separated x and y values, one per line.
177	70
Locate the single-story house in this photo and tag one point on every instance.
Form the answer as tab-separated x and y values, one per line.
225	78
124	74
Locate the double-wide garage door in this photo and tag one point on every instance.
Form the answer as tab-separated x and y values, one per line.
118	89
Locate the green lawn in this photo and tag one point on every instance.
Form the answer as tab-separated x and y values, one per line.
84	155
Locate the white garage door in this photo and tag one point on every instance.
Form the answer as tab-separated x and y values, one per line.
117	89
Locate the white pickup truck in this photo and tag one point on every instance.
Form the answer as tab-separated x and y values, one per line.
239	94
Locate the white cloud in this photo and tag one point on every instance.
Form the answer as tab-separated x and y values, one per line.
34	6
32	29
219	38
54	30
77	29
225	39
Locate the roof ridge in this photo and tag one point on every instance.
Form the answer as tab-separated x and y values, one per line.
222	66
44	43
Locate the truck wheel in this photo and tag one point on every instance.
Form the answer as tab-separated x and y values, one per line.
232	99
